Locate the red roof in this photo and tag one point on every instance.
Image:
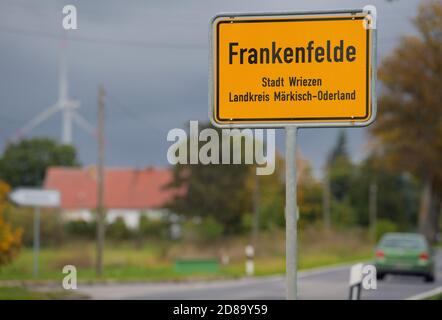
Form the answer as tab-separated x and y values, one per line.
125	188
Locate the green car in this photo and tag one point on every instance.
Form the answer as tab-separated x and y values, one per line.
404	253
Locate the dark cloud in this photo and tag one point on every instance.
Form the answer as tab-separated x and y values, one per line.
152	57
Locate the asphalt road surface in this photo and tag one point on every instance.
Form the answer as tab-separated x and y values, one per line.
324	283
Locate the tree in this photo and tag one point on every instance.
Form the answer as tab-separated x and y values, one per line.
218	191
409	124
10	240
24	163
340	149
310	193
339	168
396	200
271	198
272	194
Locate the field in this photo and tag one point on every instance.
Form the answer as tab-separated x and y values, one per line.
155	260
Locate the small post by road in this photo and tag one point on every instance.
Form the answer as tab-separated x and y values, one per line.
291	214
36	240
355	282
250	264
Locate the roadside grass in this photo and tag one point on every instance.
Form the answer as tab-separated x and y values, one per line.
155	260
435	297
23	293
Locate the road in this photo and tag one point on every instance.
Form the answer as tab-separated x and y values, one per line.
324	283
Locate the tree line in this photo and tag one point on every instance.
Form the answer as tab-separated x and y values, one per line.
404	160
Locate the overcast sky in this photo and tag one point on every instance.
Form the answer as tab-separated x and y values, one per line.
152	58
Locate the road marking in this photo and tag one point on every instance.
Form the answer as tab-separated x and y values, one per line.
321	270
426	294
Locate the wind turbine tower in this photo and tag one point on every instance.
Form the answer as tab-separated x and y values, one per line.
64	104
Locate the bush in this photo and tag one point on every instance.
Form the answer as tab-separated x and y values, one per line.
50	224
202	230
156	229
118	230
81	228
246	222
210	229
10	239
383	226
343	214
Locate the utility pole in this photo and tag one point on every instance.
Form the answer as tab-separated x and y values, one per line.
373	208
100	184
326	199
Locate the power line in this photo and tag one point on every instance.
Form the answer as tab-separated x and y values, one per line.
132	43
126	111
105	41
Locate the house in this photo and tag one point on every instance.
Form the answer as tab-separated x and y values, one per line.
128	193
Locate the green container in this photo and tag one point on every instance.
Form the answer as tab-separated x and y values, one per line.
196	265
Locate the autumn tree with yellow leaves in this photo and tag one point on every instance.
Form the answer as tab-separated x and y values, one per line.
10	239
409	123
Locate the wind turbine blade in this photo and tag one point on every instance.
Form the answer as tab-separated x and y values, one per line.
84	124
37	120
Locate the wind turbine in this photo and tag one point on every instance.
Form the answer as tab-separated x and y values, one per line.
64	104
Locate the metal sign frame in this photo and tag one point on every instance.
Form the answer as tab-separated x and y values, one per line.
291	128
371	28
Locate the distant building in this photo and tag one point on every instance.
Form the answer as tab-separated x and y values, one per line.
128	193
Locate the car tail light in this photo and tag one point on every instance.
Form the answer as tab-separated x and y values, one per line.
380	254
424	256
